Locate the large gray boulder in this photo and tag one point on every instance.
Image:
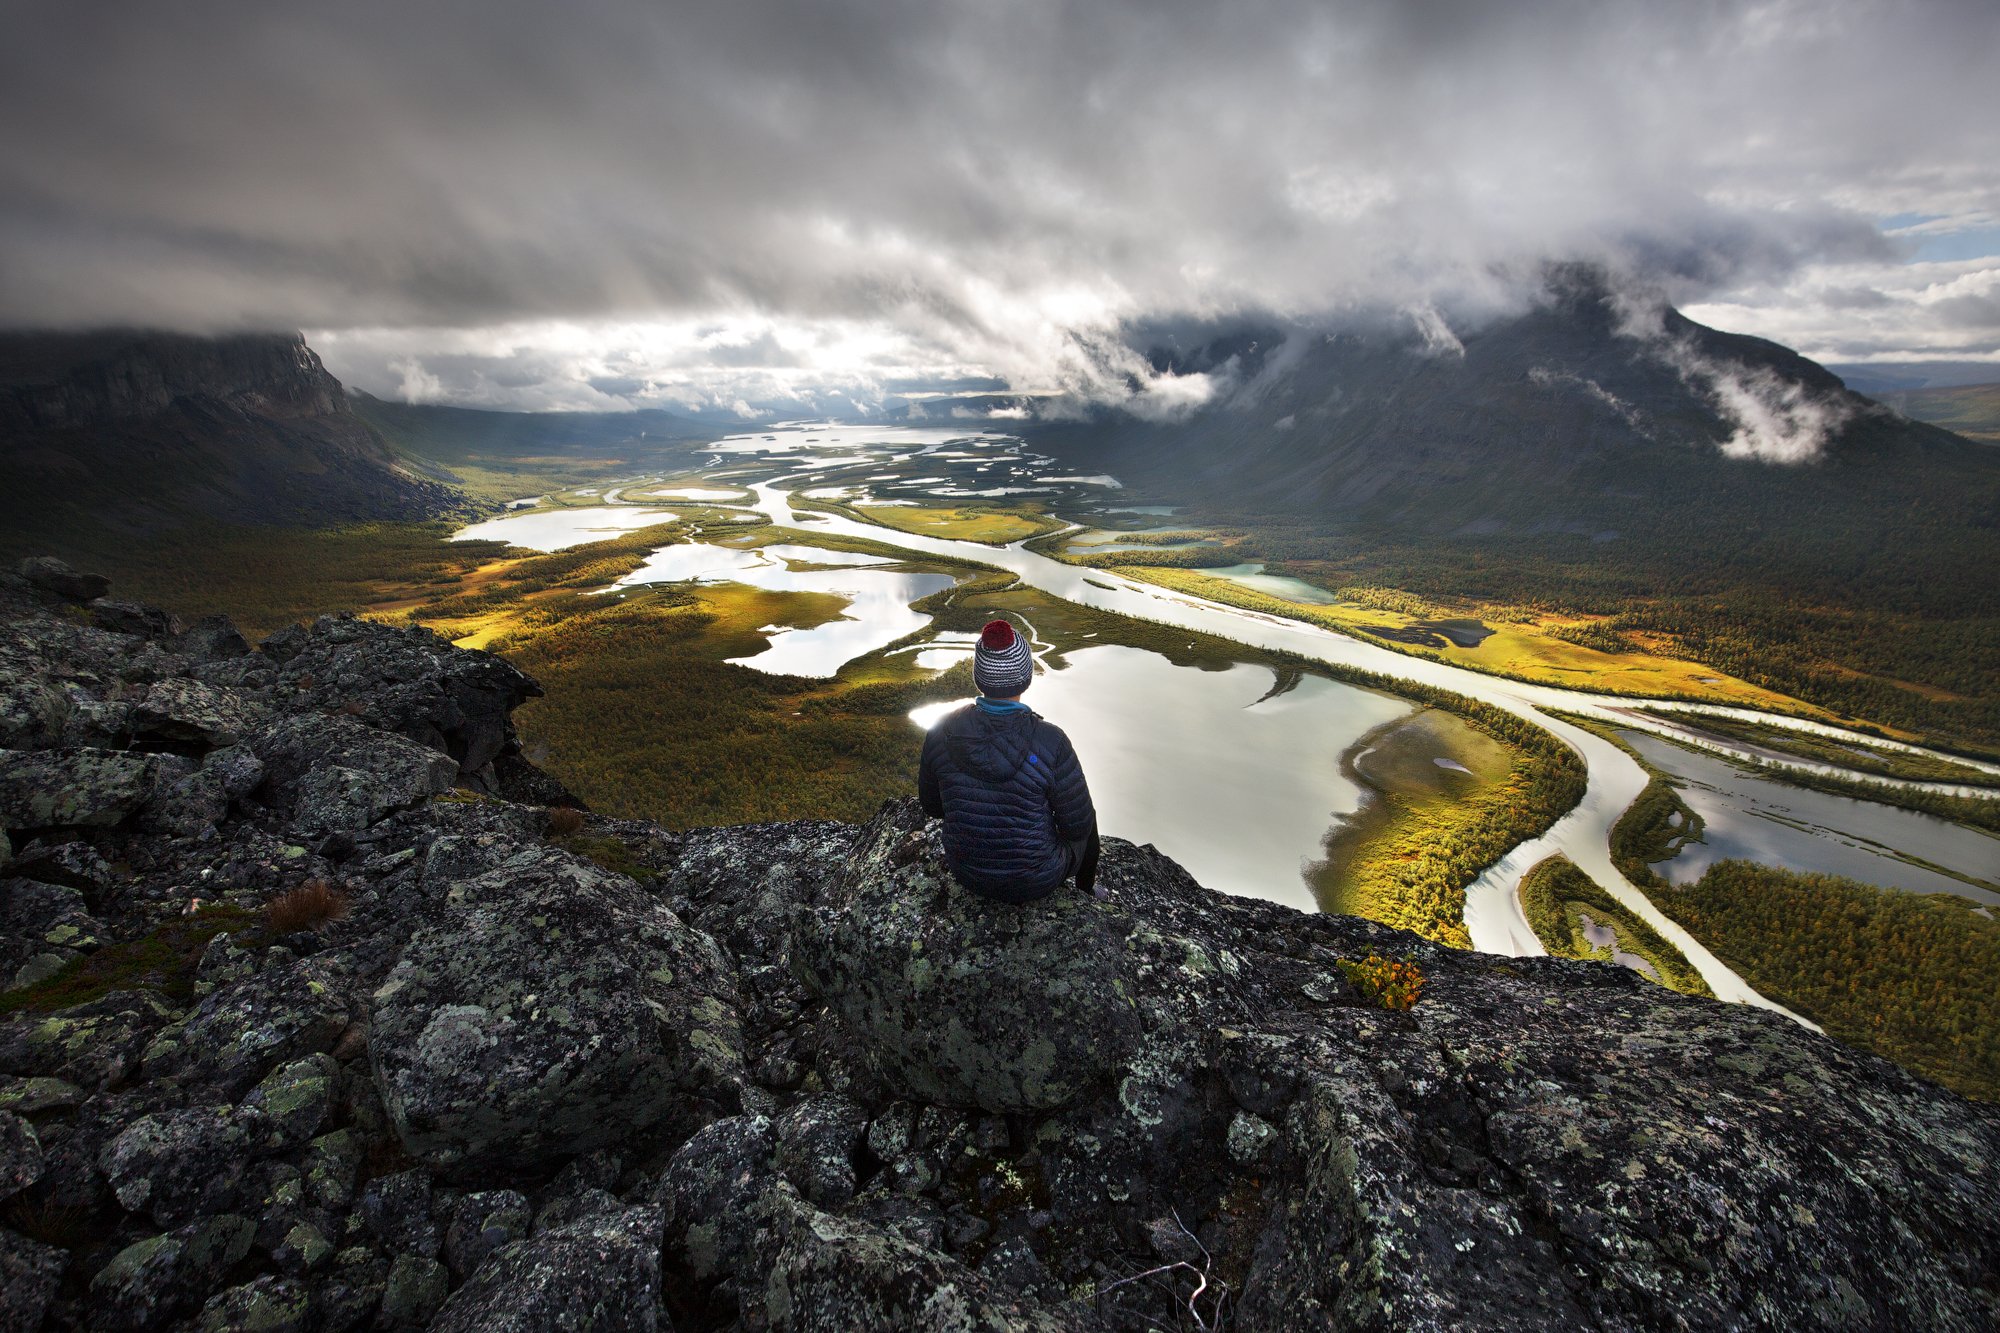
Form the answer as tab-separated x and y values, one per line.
601	1273
961	1001
552	1007
332	773
80	787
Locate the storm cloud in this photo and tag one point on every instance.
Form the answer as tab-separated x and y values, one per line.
622	202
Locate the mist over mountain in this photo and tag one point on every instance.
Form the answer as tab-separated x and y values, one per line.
1589	414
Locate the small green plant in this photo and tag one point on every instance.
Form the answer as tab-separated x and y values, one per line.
1391	983
565	821
163	959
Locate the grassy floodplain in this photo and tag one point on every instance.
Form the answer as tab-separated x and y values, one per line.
1513	650
990	525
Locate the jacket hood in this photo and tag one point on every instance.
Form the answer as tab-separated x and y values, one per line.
992	746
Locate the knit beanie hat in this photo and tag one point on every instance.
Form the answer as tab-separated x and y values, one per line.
1001	664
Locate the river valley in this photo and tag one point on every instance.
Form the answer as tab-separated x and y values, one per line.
1239	783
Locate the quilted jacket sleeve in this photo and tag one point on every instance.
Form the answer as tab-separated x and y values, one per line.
927	777
1069	794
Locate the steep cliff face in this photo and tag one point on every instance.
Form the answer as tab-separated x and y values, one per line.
533	1069
50	382
136	431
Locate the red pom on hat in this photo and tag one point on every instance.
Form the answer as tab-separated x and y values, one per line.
997	636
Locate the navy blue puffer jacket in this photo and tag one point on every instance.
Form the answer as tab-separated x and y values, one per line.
1011	794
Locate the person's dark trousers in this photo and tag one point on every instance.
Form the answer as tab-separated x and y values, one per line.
1081	855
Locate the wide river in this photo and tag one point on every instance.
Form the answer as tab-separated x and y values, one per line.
1493	913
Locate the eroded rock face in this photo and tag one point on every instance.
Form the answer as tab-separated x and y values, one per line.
962	1001
552	1007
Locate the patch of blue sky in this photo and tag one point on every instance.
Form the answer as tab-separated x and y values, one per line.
1972	243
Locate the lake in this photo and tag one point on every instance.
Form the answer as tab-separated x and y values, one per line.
1240	788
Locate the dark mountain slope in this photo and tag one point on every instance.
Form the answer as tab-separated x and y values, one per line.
1551	420
1557	461
137	432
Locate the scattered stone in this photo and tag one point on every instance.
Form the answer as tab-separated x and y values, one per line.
1250	1140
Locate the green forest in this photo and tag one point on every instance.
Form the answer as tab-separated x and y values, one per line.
1909	976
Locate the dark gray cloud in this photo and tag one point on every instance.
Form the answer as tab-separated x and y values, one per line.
943	187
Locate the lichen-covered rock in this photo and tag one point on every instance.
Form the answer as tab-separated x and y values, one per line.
262	1305
348	1294
962	1001
396	1208
409	681
484	1221
552	1008
839	1273
414	1292
601	1273
92	1045
708	1192
292	1102
30	1273
241	1031
817	1138
177	1165
332	773
180	711
147	1283
81	787
42	918
53	576
21	1160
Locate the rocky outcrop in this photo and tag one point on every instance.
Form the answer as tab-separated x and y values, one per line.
790	1077
121	430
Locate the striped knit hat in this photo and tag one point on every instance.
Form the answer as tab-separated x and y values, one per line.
1001	664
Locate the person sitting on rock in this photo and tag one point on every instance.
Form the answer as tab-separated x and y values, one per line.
1017	814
